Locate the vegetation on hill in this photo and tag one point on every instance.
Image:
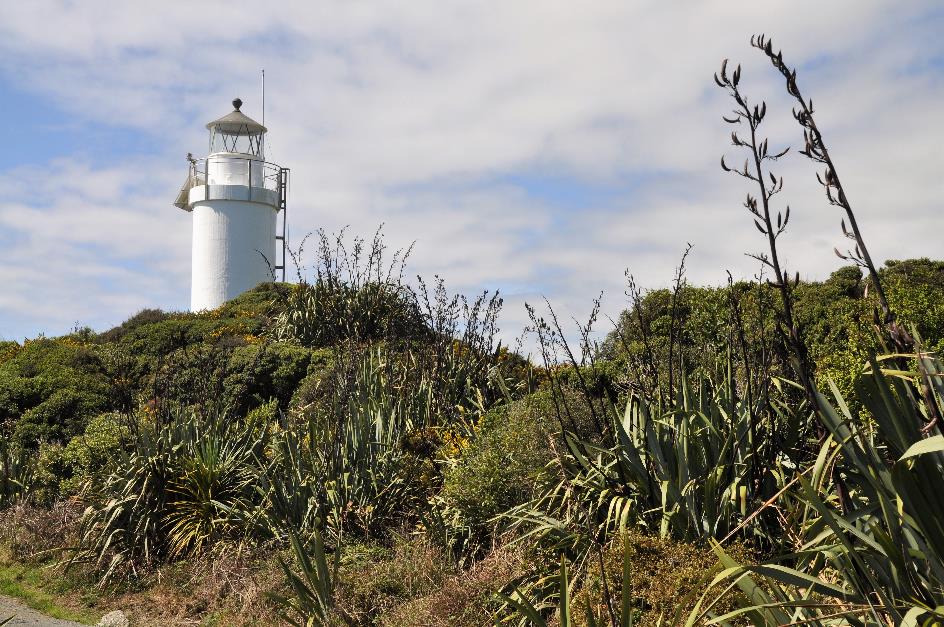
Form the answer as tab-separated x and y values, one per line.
835	319
348	450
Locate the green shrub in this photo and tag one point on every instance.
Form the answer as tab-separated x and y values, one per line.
49	471
54	471
8	350
602	378
835	317
50	388
58	417
142	318
500	467
915	290
665	576
88	454
262	416
152	333
315	389
259	304
258	373
166	335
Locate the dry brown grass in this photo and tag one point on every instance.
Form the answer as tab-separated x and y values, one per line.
33	534
464	599
227	586
374	579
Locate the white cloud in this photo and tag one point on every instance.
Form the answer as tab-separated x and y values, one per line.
87	245
415	114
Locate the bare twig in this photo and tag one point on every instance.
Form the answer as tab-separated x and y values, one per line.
675	322
815	149
768	185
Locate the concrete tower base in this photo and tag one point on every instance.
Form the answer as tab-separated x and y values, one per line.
233	249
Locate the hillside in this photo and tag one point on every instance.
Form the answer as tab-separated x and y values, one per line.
386	432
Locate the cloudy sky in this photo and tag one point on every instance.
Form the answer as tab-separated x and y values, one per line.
538	148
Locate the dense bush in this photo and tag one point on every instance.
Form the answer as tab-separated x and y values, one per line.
664	580
499	468
872	548
835	318
916	290
325	313
90	453
49	388
355	295
58	472
258	373
145	317
154	333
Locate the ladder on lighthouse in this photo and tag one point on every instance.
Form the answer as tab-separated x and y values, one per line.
283	209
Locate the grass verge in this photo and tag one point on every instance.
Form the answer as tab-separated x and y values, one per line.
45	590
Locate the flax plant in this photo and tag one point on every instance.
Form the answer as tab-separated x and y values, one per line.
870	550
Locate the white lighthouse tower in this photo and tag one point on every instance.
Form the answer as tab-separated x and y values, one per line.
235	196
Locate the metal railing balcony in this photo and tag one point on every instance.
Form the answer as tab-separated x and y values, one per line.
231	176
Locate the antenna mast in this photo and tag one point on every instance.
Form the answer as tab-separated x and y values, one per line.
283	197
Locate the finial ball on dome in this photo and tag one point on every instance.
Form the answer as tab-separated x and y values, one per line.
237	104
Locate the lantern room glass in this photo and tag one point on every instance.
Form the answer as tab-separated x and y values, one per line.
242	141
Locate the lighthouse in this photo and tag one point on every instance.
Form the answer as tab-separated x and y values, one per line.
235	196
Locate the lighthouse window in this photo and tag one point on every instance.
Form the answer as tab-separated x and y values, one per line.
242	142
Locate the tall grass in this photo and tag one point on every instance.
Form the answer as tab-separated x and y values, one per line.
16	473
870	550
355	294
181	485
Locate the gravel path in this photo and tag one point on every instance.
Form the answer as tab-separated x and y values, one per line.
28	617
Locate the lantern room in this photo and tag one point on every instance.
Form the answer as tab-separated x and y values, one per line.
236	132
